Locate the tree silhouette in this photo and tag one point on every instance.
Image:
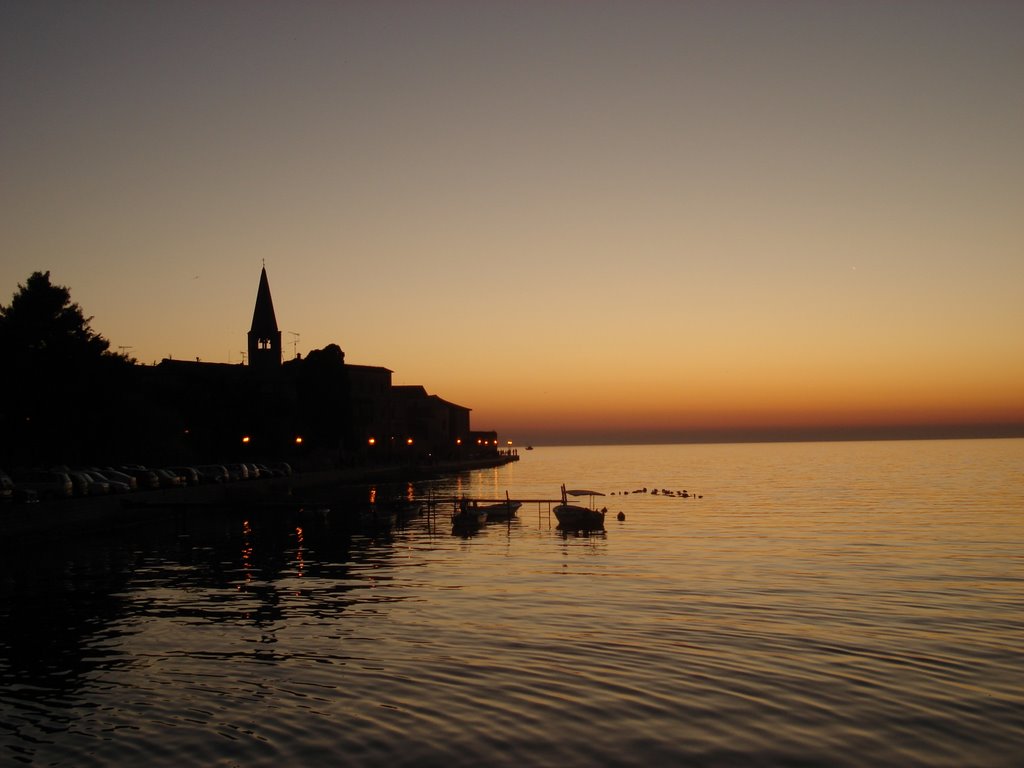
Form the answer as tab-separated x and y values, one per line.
42	324
65	398
60	380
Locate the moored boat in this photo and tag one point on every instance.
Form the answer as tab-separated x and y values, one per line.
575	517
404	508
469	516
500	511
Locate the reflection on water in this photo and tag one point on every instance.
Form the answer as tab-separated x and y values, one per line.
850	604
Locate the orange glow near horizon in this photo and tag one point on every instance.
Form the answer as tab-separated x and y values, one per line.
696	419
775	405
858	367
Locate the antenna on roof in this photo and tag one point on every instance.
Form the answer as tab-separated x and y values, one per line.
295	344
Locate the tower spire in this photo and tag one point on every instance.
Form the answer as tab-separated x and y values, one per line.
264	336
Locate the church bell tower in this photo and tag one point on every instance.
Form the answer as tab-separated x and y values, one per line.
264	337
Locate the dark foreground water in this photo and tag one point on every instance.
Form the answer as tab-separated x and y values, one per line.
823	604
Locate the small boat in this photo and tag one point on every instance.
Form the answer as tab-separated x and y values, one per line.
500	511
574	517
469	516
403	508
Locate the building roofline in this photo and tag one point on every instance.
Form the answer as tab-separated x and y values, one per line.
368	367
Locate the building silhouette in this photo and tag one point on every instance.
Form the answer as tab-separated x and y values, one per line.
316	410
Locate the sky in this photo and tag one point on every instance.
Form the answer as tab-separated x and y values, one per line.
586	221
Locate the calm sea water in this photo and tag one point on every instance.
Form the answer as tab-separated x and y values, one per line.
847	604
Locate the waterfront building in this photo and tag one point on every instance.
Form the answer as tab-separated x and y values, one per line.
349	410
428	419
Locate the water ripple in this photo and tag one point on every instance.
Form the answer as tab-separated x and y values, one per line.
802	613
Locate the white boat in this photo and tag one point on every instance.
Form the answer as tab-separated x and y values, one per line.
574	517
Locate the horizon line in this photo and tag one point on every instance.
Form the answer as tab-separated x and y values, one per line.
835	435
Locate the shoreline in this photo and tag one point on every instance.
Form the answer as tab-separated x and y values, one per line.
77	515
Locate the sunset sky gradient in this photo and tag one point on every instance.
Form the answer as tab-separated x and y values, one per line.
584	220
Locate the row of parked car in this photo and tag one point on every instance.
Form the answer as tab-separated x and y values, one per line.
27	485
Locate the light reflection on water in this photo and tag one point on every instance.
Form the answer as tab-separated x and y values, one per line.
841	604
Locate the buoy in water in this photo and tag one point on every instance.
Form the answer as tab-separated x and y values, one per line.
620	516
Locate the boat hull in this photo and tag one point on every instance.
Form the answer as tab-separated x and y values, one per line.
573	517
469	519
501	512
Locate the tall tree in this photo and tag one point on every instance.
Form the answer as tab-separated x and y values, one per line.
59	378
42	323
